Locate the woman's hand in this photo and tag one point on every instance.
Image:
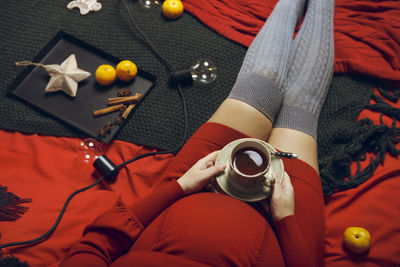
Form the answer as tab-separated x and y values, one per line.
282	199
198	176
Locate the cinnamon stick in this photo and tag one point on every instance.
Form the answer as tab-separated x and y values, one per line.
127	111
107	110
124	99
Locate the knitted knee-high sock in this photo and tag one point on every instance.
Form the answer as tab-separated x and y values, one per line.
310	70
264	69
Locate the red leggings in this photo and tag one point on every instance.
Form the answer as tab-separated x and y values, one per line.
218	230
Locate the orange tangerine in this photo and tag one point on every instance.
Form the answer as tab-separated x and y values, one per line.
357	239
172	9
105	74
126	70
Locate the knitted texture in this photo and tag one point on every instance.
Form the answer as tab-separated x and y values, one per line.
347	97
27	26
354	140
310	69
11	206
264	68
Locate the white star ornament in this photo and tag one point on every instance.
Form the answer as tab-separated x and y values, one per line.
65	77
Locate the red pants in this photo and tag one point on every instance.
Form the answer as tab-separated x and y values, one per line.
218	230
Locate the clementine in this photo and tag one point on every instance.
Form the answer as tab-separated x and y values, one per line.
172	9
105	74
126	70
357	239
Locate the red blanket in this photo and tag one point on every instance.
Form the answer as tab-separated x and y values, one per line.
47	169
374	206
367	32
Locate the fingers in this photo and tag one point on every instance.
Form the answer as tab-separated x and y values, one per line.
282	188
208	160
208	167
200	173
211	157
213	171
282	199
277	190
286	183
209	163
277	185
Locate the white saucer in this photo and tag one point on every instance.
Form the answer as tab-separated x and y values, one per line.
246	194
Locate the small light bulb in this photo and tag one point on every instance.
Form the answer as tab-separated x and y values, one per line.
92	152
203	71
90	149
148	4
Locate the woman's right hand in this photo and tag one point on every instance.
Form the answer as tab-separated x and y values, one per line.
282	199
198	176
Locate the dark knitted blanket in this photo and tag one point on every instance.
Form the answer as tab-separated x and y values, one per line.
158	122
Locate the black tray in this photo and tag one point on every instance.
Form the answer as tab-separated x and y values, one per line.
77	111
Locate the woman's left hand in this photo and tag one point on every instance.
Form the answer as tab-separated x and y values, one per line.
198	176
282	199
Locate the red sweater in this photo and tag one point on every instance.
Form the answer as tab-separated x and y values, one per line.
118	237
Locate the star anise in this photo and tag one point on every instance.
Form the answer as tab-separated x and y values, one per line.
124	92
108	127
102	133
122	110
119	121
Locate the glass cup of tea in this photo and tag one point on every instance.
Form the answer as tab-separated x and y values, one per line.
249	164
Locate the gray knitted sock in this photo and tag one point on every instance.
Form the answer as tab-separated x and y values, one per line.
311	68
263	72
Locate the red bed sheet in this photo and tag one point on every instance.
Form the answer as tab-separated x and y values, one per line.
48	169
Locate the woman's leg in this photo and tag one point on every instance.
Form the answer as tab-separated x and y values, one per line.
295	128
309	76
257	95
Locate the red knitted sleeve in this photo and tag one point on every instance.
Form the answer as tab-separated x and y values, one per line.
112	233
294	249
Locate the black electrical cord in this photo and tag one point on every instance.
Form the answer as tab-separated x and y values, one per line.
170	68
57	222
118	167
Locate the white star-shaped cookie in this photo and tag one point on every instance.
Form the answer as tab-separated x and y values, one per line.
65	77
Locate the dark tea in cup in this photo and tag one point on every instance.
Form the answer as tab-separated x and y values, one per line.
249	161
249	172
